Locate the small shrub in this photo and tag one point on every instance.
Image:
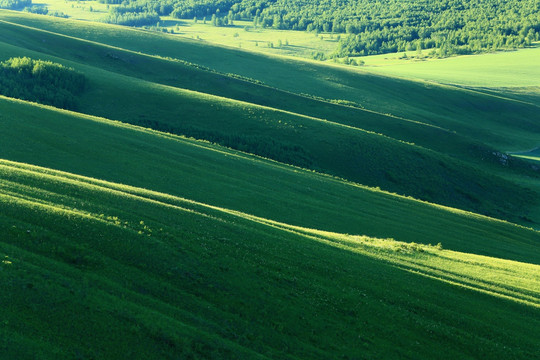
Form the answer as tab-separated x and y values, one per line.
40	10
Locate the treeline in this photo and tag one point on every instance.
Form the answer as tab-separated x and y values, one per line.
34	9
142	18
15	4
41	81
450	27
43	10
374	27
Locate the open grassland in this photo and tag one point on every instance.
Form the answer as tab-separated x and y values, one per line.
505	71
82	10
94	269
213	175
124	235
493	70
284	136
363	157
245	36
465	112
189	76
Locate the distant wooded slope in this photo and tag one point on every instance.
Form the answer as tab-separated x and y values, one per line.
450	26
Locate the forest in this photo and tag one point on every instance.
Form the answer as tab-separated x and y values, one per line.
41	81
374	27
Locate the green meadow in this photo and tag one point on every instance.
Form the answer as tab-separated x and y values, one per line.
466	112
494	70
284	135
135	287
205	201
101	270
241	35
234	180
244	35
80	10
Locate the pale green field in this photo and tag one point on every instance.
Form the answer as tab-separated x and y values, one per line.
120	241
243	35
81	10
500	69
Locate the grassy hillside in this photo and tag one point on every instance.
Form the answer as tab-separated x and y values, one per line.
101	270
146	225
375	93
210	174
364	157
193	77
467	113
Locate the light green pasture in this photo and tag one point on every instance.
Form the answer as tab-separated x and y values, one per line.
244	35
499	69
494	70
81	10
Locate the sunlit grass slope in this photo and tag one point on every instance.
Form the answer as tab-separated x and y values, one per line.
193	77
505	124
533	153
119	241
100	270
210	174
329	147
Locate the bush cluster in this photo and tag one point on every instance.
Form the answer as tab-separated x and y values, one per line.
41	81
132	18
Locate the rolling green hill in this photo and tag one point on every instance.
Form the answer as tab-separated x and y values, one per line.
210	174
309	142
465	112
100	270
186	211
